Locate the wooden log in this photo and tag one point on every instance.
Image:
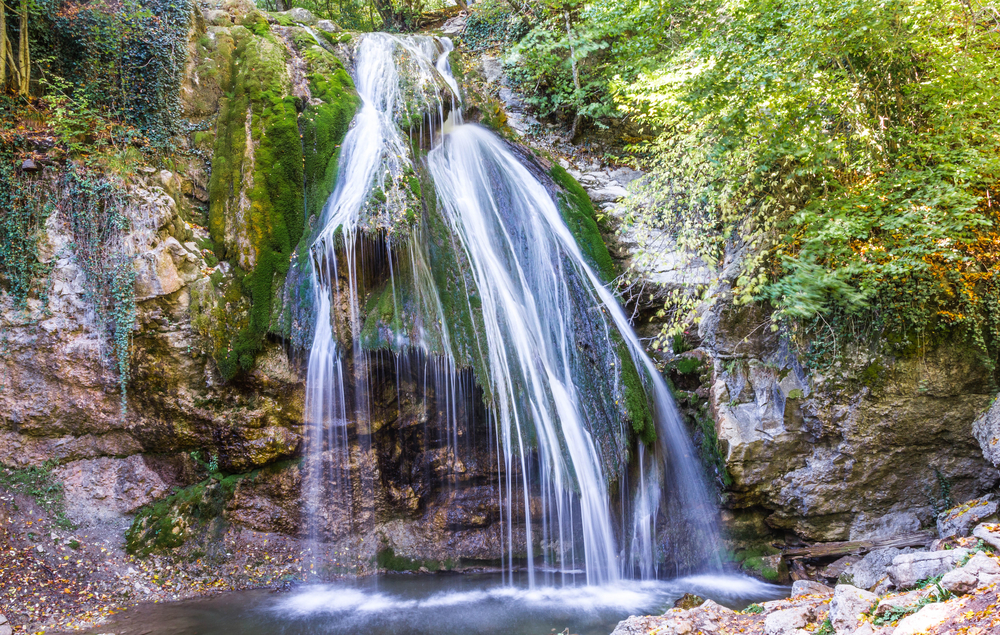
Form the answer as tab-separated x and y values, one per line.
919	539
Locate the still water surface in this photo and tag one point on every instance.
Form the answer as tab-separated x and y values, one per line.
431	605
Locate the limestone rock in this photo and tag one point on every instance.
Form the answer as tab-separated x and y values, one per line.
900	601
981	563
908	569
960	520
808	587
986	429
300	15
608	194
959	581
106	488
848	603
789	620
156	274
924	619
329	26
215	17
870	570
5	628
988	533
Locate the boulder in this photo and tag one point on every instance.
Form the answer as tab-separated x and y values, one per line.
838	567
959	521
300	15
988	533
329	26
924	619
5	628
900	601
808	587
981	563
870	570
909	568
788	621
959	582
849	602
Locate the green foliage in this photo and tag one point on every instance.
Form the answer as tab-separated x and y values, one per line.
26	205
101	217
40	484
826	628
753	609
387	559
122	62
850	147
493	24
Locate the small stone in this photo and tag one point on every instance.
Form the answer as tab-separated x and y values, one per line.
958	521
688	601
788	621
30	165
959	582
849	602
924	619
837	568
988	533
808	587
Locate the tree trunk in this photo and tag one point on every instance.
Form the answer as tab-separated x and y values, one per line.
23	58
3	47
576	78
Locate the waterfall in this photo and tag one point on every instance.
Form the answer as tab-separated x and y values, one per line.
537	291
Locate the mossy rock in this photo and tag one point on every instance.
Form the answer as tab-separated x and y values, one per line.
169	523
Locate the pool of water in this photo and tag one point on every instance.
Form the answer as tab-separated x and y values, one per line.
431	605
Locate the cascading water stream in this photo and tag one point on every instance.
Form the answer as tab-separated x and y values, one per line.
529	273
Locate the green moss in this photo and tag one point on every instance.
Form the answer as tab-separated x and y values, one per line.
636	403
752	561
687	365
282	19
169	523
578	213
257	101
387	559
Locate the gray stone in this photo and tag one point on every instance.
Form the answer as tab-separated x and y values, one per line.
300	15
959	521
809	587
492	69
848	603
988	533
608	194
870	570
982	563
986	430
455	25
30	165
789	620
908	569
959	582
329	26
924	619
5	628
838	567
215	17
